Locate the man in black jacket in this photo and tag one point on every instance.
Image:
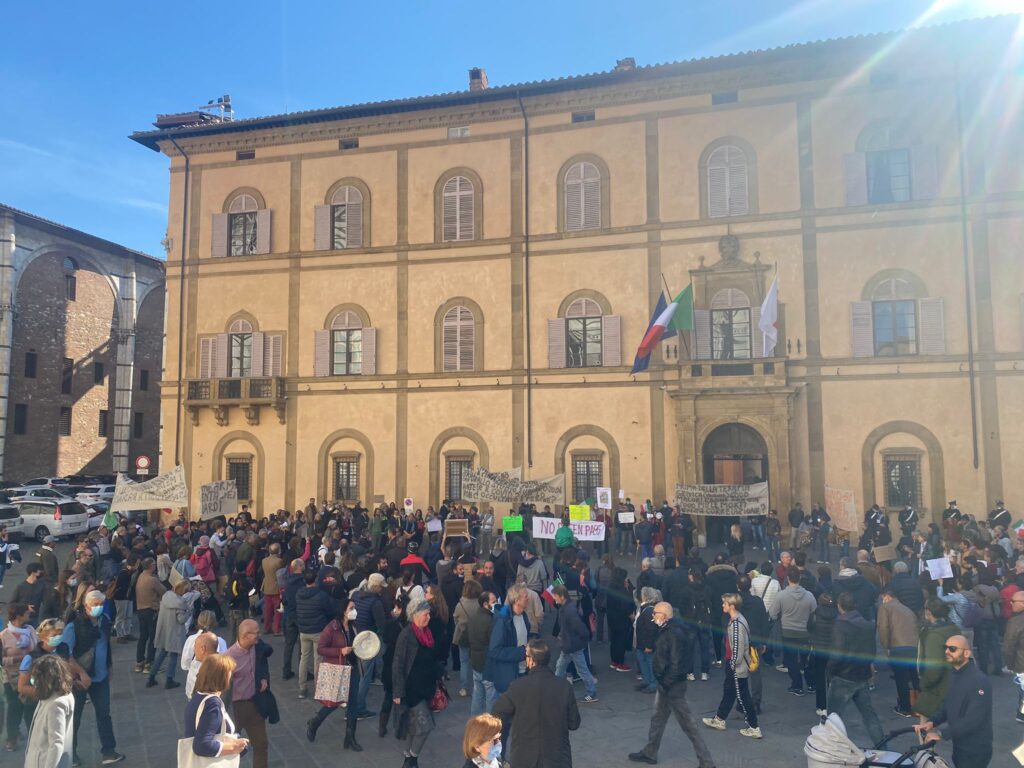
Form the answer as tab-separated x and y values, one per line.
906	587
967	709
670	672
849	665
574	636
314	610
290	586
540	710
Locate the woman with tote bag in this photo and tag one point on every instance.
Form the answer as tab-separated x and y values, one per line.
49	735
210	740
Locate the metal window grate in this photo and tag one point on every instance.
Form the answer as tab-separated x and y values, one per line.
586	477
346	479
240	470
455	470
64	424
104	418
902	480
245	154
67	367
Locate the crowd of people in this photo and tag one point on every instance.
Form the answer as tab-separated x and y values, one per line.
364	598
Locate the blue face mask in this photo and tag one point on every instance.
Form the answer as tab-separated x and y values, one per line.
54	641
96	611
494	752
72	582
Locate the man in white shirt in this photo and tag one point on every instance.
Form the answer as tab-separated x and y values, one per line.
202	645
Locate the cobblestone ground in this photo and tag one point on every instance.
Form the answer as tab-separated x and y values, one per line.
148	722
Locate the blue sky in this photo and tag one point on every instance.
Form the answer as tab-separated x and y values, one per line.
79	77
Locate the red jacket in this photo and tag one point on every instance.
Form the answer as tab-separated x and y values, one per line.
1007	594
204	564
332	642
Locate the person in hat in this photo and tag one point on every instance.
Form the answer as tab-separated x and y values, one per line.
336	647
413	558
1000	516
51	568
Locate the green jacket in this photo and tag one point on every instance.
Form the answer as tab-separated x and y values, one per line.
932	667
564	537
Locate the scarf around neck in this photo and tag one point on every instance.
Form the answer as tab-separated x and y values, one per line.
423	636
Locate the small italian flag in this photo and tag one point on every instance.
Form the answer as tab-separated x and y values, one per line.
549	594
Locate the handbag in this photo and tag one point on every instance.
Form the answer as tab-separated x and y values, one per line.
333	682
440	700
753	660
189	759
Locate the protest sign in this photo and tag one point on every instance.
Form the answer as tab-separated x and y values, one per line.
627	517
512	524
884	553
167	490
545	528
622	494
604	498
842	508
434	525
408	505
940	568
723	500
579	511
508	488
218	498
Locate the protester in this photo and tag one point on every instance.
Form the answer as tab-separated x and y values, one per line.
932	672
148	592
850	665
793	609
538	711
371	616
171	630
737	671
481	743
820	626
50	737
478	635
314	609
335	647
206	718
574	637
293	582
670	672
506	654
1013	646
415	676
16	640
251	679
646	635
35	592
898	635
620	611
465	609
197	649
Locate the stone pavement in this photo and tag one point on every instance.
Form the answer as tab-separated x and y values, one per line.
148	722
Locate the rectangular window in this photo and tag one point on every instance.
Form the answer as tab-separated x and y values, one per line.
455	470
725	97
889	176
30	365
902	481
98	374
583	117
241	355
138	425
895	327
586	477
242	241
20	418
245	154
730	334
240	470
350	143
583	342
144	380
71	287
458	131
67	368
346	353
104	419
346	478
64	425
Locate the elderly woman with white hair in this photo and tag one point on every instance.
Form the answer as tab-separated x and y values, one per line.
646	633
415	676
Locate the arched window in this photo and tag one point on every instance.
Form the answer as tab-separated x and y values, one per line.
727	185
732	325
459	335
583	334
242	225
582	197
346	344
240	349
894	317
70	279
457	210
347	218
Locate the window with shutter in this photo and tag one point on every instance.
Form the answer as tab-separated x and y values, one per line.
241	224
924	172
322	352
701	334
458	337
457	209
731	326
861	332
346	344
556	343
207	352
273	349
611	341
582	197
369	351
583	334
894	318
933	330
727	182
221	357
347	218
322	228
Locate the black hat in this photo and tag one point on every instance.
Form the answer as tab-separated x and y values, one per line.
413	547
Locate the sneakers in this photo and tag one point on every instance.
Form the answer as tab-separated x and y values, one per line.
716	664
640	757
463	693
151	683
822	712
902	712
621	667
795	691
714	722
588	699
138	667
172	684
781	668
366	715
691	677
704	677
112	757
753	733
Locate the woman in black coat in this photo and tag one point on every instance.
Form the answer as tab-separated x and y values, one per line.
620	612
414	678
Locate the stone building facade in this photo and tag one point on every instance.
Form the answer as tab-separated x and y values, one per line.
81	340
375	298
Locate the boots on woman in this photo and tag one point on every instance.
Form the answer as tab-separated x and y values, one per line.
350	737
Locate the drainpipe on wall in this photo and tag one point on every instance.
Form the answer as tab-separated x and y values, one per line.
526	279
181	303
6	322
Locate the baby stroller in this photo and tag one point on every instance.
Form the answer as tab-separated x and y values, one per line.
828	746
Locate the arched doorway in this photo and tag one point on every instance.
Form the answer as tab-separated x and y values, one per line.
733	454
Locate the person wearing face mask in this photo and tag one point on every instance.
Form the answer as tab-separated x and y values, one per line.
50	640
481	743
88	640
17	640
335	647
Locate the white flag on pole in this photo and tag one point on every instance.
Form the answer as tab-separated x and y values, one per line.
769	323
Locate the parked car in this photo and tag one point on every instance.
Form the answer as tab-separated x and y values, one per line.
11	519
39	492
92	493
45	482
50	517
97	510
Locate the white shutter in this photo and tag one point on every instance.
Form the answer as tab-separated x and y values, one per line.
322	353
369	366
207	353
862	333
738	198
924	173
354	213
322	229
221	357
592	204
933	326
273	346
573	205
263	230
219	235
466	223
258	340
450	343
701	334
450	215
611	341
855	178
556	343
718	194
467	338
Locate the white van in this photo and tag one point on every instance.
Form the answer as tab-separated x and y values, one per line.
43	517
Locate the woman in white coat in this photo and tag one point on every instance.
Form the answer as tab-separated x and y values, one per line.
49	735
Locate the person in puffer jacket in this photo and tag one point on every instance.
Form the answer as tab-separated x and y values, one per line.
820	627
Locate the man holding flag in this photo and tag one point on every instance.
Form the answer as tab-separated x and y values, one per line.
666	322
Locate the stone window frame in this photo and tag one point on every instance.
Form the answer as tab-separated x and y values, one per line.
748	150
250	459
346	456
606	195
462	455
478	333
478	204
364	190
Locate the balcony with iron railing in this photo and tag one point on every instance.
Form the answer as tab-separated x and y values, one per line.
248	393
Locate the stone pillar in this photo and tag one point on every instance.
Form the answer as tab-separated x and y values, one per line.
124	370
6	322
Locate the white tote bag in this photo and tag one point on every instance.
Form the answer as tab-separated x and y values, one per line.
189	759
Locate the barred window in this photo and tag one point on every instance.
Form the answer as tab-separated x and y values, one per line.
902	480
346	478
104	423
67	368
64	424
456	467
240	470
586	477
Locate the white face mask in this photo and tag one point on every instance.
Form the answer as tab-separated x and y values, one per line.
351	615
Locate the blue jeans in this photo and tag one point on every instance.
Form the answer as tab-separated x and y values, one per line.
624	540
172	665
794	658
841	692
577	658
645	663
99	695
757	531
465	670
369	670
484	695
3	570
824	552
774	549
701	639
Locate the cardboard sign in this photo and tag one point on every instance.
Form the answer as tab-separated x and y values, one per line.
434	525
579	512
512	524
604	498
546	527
627	517
940	568
841	506
885	553
218	498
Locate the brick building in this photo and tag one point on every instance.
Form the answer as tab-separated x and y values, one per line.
81	345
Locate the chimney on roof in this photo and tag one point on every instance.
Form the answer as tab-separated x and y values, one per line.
477	79
627	64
